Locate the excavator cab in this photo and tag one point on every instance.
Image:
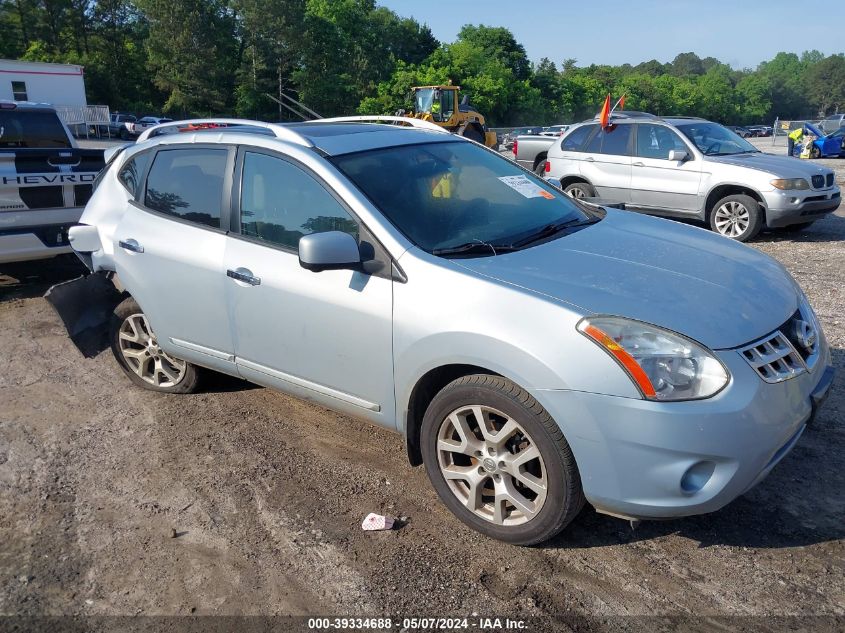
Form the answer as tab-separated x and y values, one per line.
435	103
439	104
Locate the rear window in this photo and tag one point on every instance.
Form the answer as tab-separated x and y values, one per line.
21	128
131	173
188	184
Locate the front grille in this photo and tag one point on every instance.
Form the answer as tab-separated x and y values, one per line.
789	351
818	181
829	180
774	358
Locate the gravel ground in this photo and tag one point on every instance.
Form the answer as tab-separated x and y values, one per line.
240	500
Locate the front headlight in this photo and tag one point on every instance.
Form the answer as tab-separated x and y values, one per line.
790	184
664	365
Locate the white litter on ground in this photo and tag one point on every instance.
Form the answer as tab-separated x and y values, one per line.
377	522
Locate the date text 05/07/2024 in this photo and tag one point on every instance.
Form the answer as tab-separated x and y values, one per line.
416	624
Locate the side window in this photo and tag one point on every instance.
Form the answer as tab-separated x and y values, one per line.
130	174
656	141
594	144
19	91
280	203
188	184
616	140
575	140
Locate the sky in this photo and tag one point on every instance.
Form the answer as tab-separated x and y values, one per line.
741	33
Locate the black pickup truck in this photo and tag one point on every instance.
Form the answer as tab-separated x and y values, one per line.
45	181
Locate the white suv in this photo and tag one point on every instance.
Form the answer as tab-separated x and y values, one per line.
535	352
691	168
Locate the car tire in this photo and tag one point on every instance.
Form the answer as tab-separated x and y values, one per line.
540	169
136	350
737	216
124	134
815	152
528	507
580	190
473	133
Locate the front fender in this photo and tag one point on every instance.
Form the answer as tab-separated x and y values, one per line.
467	348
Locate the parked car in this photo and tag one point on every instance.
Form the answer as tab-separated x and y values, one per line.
824	145
141	125
45	180
530	151
740	131
760	130
691	168
510	137
534	351
554	130
118	126
832	123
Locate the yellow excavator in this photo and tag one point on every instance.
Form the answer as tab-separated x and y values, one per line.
439	104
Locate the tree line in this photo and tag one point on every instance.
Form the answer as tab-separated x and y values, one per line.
244	57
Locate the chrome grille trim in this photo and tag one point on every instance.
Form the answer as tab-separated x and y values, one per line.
774	358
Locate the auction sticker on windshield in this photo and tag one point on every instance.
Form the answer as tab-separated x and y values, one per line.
522	185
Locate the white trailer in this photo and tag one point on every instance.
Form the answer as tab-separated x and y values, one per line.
56	84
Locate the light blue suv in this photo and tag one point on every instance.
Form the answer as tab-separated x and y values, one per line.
535	351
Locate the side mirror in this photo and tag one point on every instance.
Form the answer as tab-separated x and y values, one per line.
678	155
332	250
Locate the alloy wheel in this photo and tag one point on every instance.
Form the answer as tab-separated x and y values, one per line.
492	465
576	192
140	350
732	219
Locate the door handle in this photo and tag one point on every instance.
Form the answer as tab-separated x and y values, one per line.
590	159
242	274
131	245
638	164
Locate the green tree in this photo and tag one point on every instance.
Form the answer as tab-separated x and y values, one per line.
717	100
784	74
192	54
499	44
825	83
686	65
754	96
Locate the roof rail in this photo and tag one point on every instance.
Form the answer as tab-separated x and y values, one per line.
629	114
280	131
375	118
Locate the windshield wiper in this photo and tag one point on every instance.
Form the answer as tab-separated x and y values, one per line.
472	248
553	229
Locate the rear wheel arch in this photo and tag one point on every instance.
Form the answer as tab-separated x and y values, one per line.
569	180
542	156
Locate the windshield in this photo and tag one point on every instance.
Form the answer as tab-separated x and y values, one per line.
448	194
715	140
424	100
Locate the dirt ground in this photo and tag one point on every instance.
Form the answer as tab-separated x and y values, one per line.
239	500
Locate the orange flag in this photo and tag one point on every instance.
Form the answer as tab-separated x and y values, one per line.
622	103
604	115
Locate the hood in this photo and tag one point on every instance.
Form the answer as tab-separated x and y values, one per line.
814	130
716	291
777	166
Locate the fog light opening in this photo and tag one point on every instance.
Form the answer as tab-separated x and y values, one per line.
696	477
